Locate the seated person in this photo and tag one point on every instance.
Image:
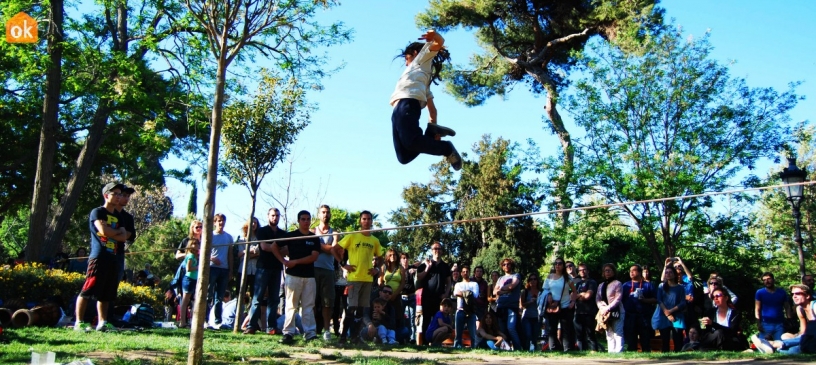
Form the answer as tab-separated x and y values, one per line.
489	334
441	326
382	323
805	310
694	340
722	331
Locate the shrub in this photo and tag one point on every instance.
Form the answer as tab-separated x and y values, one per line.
34	283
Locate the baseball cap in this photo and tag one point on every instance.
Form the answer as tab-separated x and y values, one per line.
128	189
111	186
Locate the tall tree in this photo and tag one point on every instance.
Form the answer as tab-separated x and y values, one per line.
258	134
670	123
283	31
41	197
534	42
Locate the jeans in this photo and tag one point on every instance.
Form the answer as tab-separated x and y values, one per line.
585	332
790	346
219	277
531	328
409	141
772	330
266	280
614	334
508	324
300	292
459	325
410	310
638	325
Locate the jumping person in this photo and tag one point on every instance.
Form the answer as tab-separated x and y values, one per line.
423	63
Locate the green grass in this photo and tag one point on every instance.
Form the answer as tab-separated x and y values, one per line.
169	347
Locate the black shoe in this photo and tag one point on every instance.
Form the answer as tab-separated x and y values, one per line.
310	339
434	128
287	340
455	159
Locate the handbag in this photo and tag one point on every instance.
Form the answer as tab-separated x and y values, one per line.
554	307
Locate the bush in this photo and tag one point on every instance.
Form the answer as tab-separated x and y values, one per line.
35	283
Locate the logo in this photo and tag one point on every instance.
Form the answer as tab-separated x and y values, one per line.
21	28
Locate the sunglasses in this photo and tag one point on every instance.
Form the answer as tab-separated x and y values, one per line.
718	295
797	293
714	283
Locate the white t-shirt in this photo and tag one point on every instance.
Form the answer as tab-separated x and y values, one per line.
462	286
415	82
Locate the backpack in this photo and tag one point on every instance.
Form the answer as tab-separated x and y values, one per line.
469	302
141	315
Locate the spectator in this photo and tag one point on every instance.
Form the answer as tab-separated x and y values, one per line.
409	295
647	273
573	274
324	271
491	294
721	325
435	276
80	262
300	283
609	297
229	312
684	278
671	301
440	327
637	305
716	282
392	275
220	266
808	281
265	295
193	232
694	340
126	220
465	293
364	252
340	296
805	310
188	283
481	301
585	310
101	278
489	333
560	306
252	258
508	292
770	308
382	323
531	328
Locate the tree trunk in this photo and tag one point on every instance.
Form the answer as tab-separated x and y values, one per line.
195	352
36	249
562	196
79	177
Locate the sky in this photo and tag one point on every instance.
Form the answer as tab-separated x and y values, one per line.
345	158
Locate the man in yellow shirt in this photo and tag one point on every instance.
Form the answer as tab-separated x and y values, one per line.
365	253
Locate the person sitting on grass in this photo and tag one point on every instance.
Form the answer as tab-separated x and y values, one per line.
805	310
440	327
489	334
382	323
722	328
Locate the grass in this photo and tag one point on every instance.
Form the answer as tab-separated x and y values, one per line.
169	347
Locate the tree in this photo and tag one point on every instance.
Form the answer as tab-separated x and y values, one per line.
534	42
282	31
670	123
258	134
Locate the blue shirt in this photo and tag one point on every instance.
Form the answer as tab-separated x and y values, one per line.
633	305
772	305
434	325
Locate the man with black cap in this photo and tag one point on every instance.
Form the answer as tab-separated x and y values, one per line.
107	238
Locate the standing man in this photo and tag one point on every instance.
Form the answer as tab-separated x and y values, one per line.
770	307
362	248
126	220
101	279
585	310
267	277
638	298
465	313
409	294
434	275
220	267
300	282
324	269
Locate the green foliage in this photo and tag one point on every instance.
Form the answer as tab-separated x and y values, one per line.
670	123
163	236
13	234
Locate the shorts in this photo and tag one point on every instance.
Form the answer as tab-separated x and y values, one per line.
359	294
101	281
188	284
324	281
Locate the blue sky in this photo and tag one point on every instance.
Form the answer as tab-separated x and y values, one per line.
346	155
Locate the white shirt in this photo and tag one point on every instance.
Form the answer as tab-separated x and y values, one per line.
415	82
462	286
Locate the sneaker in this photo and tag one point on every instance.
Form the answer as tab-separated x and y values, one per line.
287	340
762	344
327	336
273	332
455	159
82	326
434	128
106	327
393	342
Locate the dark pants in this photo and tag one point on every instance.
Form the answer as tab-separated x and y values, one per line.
585	331
267	282
219	277
637	325
340	304
530	329
673	334
409	141
564	317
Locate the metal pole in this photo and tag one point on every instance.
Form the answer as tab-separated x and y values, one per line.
797	215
